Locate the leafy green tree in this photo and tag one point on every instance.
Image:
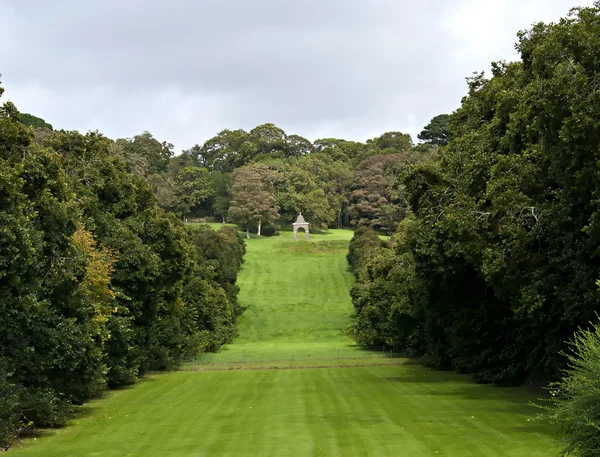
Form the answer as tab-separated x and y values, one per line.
391	142
375	200
340	150
335	178
32	121
228	150
437	132
364	243
55	284
301	192
98	284
193	187
254	202
385	278
269	140
504	234
144	147
297	146
221	183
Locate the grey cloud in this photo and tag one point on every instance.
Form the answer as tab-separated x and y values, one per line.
186	69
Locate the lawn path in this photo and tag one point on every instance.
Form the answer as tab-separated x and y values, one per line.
297	295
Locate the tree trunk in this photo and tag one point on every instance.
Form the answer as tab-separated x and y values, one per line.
259	226
223	219
247	233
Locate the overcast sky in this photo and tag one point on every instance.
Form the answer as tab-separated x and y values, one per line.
186	69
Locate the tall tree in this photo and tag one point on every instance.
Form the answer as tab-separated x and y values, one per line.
253	197
33	121
375	200
227	150
437	131
193	187
147	148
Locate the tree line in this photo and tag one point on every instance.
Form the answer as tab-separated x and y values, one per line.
493	271
98	284
494	267
265	177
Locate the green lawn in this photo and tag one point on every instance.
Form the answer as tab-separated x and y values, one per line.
298	304
369	411
297	300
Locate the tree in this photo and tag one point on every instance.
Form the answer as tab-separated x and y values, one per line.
228	150
298	146
98	284
32	121
505	225
340	150
253	198
375	200
193	187
146	147
221	183
437	131
301	192
398	141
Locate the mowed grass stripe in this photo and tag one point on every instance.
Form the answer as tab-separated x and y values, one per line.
371	411
297	295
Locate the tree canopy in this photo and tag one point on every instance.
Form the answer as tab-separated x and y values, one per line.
437	132
493	268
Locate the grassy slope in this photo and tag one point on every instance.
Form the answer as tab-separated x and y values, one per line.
298	300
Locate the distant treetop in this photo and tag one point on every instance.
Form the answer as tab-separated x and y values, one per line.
437	131
32	121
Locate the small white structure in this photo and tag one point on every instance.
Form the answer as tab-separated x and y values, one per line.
300	223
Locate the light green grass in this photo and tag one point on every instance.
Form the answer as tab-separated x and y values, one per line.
373	411
298	305
297	300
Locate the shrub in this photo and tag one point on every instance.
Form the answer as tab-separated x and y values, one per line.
575	399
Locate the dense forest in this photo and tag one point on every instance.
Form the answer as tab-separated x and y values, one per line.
265	177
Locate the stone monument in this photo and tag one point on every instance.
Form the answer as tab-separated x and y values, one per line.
300	223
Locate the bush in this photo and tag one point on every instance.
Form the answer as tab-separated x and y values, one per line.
575	399
363	244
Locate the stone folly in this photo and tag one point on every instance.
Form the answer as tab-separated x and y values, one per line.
300	223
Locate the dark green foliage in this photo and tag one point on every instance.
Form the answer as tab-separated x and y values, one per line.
495	268
377	196
364	244
98	284
437	132
32	121
220	254
144	154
